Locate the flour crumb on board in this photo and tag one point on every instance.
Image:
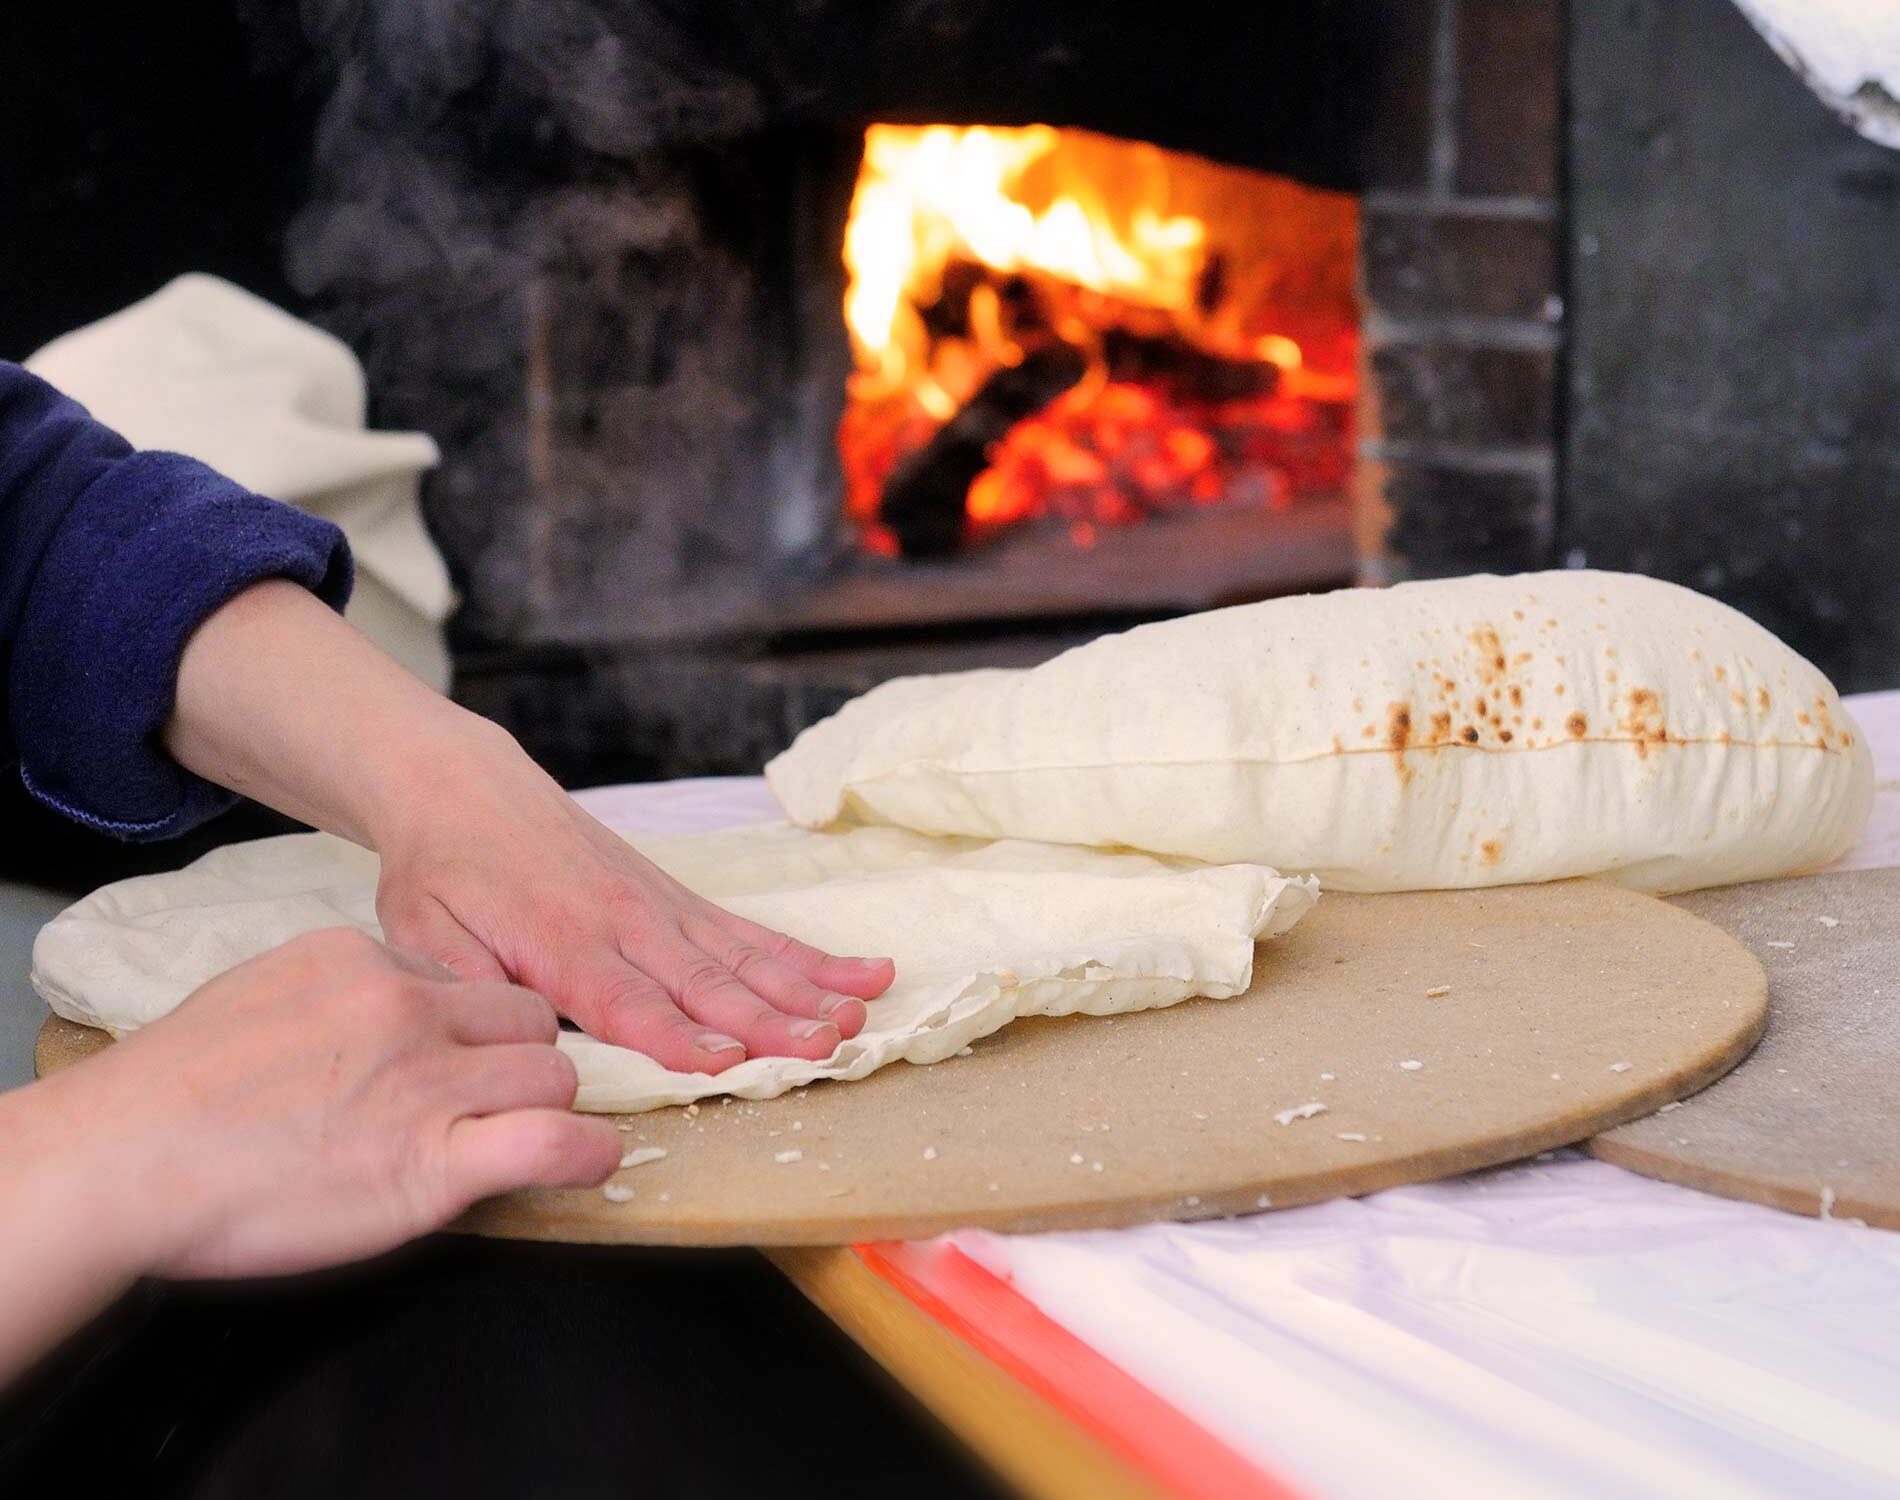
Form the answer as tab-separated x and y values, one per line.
786	1158
1827	1202
1411	1065
1667	1107
642	1155
930	1153
626	1125
1265	1200
1349	1135
824	1166
1300	1112
798	1124
1199	1116
1620	1067
1829	921
692	1110
1329	1078
996	1187
1075	1158
1095	1166
966	1052
1438	992
613	1192
1772	944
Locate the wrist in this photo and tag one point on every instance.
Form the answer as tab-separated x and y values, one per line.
432	771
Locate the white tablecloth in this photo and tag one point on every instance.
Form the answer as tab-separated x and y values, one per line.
1558	1329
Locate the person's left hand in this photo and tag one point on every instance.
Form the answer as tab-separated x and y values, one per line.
510	879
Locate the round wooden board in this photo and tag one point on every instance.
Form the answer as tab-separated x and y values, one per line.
1565	1009
1812	1123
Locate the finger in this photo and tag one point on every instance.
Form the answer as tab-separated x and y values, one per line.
486	1014
427	928
866	978
780	986
613	1001
495	1080
529	1148
709	992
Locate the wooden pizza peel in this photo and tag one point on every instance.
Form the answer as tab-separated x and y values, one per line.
1440	1031
1812	1123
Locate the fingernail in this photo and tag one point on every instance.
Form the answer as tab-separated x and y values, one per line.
712	1041
805	1029
832	1004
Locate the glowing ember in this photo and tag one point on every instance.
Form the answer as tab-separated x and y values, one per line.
1054	324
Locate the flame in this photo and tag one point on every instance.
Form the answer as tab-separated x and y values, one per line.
928	194
968	248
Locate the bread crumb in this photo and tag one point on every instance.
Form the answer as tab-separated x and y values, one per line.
1827	1202
1411	1065
692	1110
623	1125
1349	1135
1329	1078
1620	1067
1778	945
1667	1107
930	1153
1095	1166
1556	1075
824	1166
643	1155
995	1187
1265	1200
1191	1201
1438	991
1199	1116
786	1158
966	1052
1075	1158
1300	1112
613	1192
798	1124
1829	921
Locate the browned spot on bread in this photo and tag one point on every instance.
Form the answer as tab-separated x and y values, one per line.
1558	690
1469	734
1490	852
1483	709
1721	674
1440	730
1695	656
1339	745
1490	653
1761	697
1740	701
1398	735
1643	719
1610	677
1517	696
1537	723
1368	732
1505	735
1804	721
1578	726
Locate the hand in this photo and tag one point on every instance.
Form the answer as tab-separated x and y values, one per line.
489	868
325	1102
506	877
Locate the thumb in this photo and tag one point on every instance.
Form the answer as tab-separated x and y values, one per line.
427	929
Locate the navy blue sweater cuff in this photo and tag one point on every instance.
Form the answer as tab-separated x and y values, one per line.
152	547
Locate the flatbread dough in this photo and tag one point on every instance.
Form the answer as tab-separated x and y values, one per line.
1461	732
981	932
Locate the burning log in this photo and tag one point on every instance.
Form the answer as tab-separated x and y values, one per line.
923	499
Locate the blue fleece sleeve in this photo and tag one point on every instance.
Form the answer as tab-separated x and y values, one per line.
109	560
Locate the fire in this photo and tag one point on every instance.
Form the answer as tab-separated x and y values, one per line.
1151	331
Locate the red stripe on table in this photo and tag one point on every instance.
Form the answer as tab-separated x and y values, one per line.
1156	1439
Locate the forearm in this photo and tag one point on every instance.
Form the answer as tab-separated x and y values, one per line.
69	1240
281	700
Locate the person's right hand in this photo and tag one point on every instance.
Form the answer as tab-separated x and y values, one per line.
328	1101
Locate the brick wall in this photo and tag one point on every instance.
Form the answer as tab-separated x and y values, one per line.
1459	271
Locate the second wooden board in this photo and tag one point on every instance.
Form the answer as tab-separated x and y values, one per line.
1387	1039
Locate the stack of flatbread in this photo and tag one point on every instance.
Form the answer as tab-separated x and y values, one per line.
1114	829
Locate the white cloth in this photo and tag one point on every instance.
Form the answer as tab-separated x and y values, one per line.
203	368
982	933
